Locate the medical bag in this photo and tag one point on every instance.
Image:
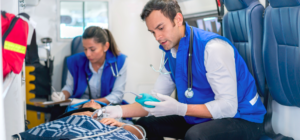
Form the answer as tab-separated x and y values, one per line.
14	41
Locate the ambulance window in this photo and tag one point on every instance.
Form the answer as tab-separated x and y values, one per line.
75	16
206	21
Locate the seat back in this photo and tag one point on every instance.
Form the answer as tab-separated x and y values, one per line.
76	47
243	26
281	52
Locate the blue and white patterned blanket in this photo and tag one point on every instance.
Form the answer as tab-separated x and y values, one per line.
76	126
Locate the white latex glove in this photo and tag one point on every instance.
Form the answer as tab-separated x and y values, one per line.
115	112
166	106
58	96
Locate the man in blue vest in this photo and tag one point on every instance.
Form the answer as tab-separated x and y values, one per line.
217	96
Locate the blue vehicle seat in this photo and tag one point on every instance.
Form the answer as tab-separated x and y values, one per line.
281	56
281	51
76	47
243	26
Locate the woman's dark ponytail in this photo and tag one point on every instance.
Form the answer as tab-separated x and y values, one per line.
113	45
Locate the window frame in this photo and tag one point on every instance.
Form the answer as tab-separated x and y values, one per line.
59	39
201	15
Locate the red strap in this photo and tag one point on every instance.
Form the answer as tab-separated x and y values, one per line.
219	3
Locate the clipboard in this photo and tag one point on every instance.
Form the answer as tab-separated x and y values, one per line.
46	103
67	102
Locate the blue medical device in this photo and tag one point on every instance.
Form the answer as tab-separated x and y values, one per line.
75	106
144	97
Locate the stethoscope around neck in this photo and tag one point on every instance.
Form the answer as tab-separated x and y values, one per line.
117	71
189	92
113	73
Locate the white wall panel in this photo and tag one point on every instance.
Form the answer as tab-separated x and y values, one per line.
14	108
263	2
137	43
197	6
10	6
286	120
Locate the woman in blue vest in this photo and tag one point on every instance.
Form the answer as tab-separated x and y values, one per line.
217	96
97	73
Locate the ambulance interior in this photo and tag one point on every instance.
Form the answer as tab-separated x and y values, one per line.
58	22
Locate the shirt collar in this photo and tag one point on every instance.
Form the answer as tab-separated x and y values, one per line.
109	58
92	69
173	52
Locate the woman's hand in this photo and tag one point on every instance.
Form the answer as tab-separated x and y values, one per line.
111	122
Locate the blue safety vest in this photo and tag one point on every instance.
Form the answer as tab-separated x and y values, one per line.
78	65
246	88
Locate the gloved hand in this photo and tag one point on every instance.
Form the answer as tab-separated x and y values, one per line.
58	96
114	111
166	106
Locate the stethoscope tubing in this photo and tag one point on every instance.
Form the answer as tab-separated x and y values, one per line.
189	92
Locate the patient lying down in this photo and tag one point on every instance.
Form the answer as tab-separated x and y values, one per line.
80	125
108	121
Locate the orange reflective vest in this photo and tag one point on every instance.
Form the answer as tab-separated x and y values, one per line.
14	42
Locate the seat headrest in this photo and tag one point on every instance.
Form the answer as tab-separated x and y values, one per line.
284	3
233	5
76	45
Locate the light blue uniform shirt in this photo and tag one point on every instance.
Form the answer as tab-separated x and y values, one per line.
114	97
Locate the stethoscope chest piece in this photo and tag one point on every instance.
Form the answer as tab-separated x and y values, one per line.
189	93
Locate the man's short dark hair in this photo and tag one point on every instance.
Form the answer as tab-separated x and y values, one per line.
169	8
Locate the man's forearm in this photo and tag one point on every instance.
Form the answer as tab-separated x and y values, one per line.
133	110
199	111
